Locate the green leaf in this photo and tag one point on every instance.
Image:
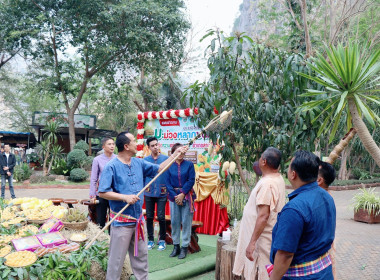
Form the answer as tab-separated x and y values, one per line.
20	273
342	103
364	110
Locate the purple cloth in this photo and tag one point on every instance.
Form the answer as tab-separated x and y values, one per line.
97	167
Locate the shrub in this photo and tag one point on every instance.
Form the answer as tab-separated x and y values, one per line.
355	182
76	158
60	167
361	174
38	179
22	172
78	175
33	157
88	163
82	145
367	200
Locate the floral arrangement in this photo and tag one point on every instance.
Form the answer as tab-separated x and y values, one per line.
170	114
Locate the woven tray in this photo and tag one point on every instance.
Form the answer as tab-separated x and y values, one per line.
76	226
34	259
6	251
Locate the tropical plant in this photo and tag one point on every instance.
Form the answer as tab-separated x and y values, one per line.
33	157
349	74
60	167
50	138
22	172
261	86
56	153
367	200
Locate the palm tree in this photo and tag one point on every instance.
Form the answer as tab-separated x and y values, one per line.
50	137
349	75
56	152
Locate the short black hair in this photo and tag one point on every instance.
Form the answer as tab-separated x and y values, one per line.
105	139
175	147
121	140
150	139
327	172
273	157
306	165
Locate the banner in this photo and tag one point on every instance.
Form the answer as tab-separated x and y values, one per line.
181	130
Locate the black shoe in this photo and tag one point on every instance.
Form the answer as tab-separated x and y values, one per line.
176	251
183	253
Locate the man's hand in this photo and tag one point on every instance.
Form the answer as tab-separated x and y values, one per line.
179	199
5	168
9	173
249	251
130	199
93	200
181	150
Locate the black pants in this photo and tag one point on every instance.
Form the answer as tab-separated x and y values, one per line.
150	203
101	212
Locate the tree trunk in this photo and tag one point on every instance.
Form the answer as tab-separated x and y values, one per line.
332	20
220	243
50	165
70	115
363	133
237	160
44	168
306	27
227	259
343	165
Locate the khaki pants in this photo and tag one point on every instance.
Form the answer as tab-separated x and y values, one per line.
123	241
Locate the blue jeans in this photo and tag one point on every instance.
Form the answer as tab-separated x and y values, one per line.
10	182
181	215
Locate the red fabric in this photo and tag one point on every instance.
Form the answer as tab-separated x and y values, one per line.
214	219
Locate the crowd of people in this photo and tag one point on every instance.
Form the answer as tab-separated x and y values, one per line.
277	240
291	240
117	180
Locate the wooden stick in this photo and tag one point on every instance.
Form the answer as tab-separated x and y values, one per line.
126	206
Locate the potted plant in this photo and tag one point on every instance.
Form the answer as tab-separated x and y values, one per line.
367	206
34	160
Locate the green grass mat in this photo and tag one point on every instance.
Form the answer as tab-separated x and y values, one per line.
159	260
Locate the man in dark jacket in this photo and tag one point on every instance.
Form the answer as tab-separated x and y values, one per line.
7	163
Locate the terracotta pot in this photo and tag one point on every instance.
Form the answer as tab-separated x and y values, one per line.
362	216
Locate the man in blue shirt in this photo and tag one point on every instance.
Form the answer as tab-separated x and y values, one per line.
305	227
155	194
180	179
121	180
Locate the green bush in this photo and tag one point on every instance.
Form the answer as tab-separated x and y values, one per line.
38	179
82	145
78	175
33	157
88	163
355	182
60	167
22	172
361	174
76	158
